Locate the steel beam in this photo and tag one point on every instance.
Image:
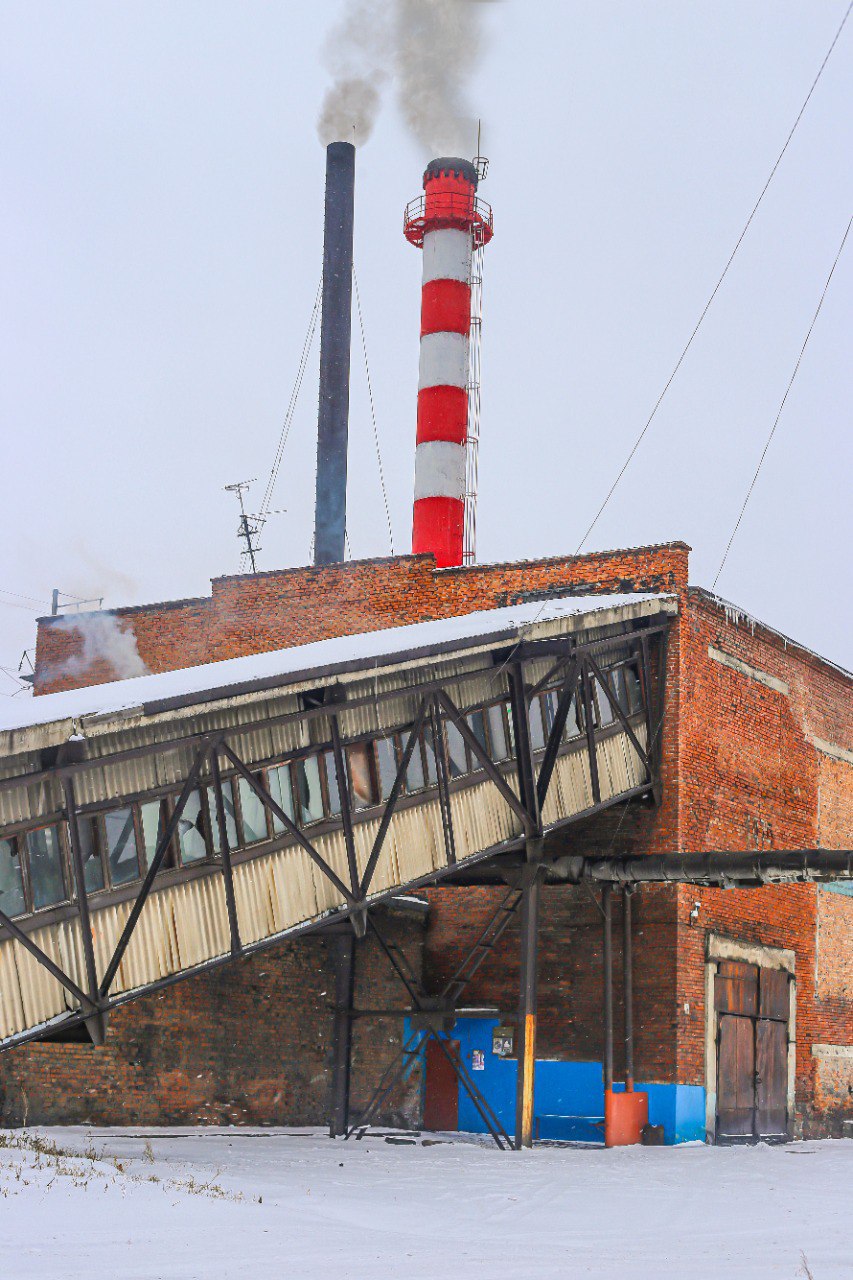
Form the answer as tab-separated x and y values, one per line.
96	1025
45	961
345	954
290	826
443	780
156	861
227	869
391	802
607	911
489	767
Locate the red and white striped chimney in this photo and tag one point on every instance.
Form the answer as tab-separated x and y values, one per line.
447	222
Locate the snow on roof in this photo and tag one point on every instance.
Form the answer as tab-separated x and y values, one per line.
230	676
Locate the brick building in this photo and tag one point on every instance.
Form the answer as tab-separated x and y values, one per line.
756	753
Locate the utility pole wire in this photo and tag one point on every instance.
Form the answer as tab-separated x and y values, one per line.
782	405
373	410
716	288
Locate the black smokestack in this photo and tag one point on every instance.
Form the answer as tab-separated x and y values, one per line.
332	427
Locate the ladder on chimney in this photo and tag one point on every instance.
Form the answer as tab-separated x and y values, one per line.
472	435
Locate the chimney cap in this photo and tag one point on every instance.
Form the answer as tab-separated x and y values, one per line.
452	165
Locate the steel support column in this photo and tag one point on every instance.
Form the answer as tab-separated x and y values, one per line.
96	1025
526	1053
345	954
628	987
607	912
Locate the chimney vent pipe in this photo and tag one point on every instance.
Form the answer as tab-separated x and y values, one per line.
333	417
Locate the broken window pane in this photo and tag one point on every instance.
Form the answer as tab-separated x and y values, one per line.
47	879
307	774
191	830
11	879
281	792
93	869
120	845
230	817
253	813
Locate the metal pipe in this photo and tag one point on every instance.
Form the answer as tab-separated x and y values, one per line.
738	867
628	986
607	911
333	417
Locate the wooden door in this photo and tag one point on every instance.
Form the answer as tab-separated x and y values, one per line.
441	1096
752	1004
771	1079
735	1077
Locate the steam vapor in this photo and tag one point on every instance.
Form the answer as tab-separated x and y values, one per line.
428	48
102	639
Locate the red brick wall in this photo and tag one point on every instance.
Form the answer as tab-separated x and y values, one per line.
752	778
249	1043
254	613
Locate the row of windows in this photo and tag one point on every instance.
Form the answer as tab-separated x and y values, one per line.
118	845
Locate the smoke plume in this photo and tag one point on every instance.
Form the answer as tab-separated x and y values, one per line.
102	640
427	48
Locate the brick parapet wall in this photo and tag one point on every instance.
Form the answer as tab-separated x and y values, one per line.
255	613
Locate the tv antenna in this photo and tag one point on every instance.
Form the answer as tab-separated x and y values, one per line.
249	526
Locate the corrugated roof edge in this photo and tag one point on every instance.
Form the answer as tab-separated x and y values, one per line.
320	660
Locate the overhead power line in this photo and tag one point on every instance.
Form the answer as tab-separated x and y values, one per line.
373	413
294	396
781	406
716	288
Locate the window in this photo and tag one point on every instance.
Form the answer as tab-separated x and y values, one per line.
606	714
120	845
252	812
11	879
332	784
47	879
549	709
93	868
477	724
497	733
230	817
537	729
307	775
386	762
633	690
457	758
361	775
281	792
191	830
573	724
152	824
415	780
429	756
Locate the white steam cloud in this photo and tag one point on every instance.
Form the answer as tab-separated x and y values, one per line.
102	640
428	48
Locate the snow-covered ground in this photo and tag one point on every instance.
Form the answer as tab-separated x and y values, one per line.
267	1204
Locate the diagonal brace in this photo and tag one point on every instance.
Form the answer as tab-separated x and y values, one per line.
290	826
391	802
490	768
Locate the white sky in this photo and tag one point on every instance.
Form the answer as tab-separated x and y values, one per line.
160	247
